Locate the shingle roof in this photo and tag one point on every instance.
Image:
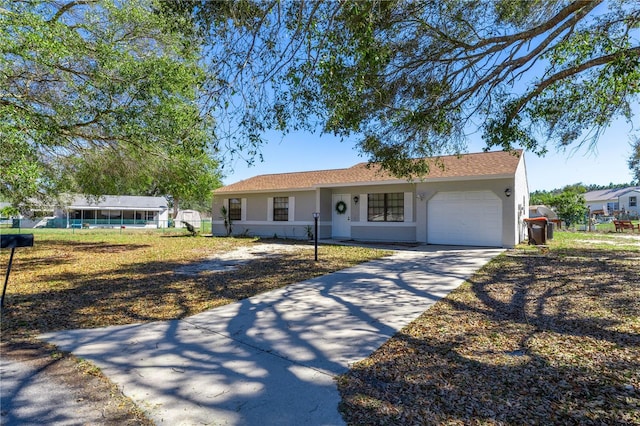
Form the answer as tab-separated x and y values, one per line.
125	202
478	165
608	194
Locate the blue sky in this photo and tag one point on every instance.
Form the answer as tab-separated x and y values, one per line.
605	163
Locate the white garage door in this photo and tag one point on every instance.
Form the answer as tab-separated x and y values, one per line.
467	218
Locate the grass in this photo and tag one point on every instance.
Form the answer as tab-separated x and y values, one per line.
535	337
94	278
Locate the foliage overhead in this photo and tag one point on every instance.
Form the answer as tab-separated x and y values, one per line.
412	79
93	84
634	161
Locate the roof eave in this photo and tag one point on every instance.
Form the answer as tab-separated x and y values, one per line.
367	183
263	191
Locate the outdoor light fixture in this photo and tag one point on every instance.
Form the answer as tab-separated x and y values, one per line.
356	199
420	196
507	192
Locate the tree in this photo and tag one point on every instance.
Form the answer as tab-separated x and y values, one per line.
411	79
544	198
185	178
188	181
570	206
634	161
96	83
568	202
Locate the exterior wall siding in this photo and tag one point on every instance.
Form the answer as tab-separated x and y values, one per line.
625	202
401	233
259	220
363	230
521	203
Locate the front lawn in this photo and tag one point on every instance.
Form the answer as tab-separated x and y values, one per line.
93	278
535	337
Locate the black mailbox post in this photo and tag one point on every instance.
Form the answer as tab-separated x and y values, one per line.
13	241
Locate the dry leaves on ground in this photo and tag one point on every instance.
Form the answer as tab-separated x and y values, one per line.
531	339
82	281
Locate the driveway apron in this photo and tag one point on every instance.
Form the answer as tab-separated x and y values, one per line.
272	359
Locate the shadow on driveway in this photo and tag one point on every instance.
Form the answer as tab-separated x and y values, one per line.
272	358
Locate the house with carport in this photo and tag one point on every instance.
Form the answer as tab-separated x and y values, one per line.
478	199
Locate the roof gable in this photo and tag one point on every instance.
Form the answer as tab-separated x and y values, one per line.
478	165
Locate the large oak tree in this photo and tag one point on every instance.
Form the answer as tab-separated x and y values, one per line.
97	90
413	78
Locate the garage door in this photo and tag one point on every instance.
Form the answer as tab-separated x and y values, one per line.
467	218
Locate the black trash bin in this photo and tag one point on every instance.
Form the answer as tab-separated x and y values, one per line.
537	228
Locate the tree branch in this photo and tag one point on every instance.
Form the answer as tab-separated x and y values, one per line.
65	8
540	87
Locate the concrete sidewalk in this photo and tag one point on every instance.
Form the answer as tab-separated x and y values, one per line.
272	359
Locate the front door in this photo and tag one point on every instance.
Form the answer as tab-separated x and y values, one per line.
341	222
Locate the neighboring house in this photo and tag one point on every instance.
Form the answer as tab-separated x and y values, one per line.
109	211
476	199
613	202
116	211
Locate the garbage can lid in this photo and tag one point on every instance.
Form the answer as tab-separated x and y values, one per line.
535	219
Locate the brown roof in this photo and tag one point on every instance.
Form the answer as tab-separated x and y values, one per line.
478	165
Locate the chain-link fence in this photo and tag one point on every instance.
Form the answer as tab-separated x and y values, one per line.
202	226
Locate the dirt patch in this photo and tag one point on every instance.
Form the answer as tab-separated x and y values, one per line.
618	241
90	391
233	259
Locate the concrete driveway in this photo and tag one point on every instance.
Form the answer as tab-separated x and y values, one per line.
272	359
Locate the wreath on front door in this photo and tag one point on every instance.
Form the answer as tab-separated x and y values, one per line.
341	207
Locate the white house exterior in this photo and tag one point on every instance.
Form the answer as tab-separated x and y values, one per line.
612	202
475	200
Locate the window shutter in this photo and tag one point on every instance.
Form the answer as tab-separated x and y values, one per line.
243	209
408	206
270	209
292	209
363	207
225	204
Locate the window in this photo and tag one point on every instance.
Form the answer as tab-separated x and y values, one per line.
235	209
385	207
633	201
281	208
612	207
